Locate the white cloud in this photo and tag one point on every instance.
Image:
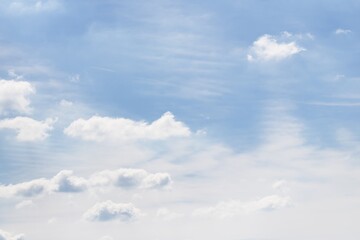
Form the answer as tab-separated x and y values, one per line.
340	31
131	178
108	210
106	238
23	204
26	189
65	103
66	182
14	96
30	7
233	208
166	214
8	236
267	48
105	128
28	129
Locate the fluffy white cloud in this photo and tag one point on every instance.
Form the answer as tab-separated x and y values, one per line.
65	181
26	189
105	128
8	236
267	48
14	96
131	178
234	208
27	128
106	211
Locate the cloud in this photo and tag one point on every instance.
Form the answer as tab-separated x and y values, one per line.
233	208
28	129
8	236
131	178
66	182
14	96
26	189
107	211
105	128
267	48
31	7
341	31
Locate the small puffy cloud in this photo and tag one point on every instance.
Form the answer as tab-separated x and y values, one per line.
131	178
267	48
14	96
341	31
108	210
66	181
105	128
8	236
234	208
28	129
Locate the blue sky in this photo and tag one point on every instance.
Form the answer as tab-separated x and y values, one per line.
230	119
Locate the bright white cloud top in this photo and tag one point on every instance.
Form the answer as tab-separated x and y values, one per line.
268	48
28	129
14	96
105	128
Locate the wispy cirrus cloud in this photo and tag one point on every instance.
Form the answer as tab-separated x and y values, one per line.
233	208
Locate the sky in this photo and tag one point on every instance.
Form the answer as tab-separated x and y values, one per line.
183	120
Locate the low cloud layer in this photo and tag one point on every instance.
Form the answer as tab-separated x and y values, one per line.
234	208
107	211
14	96
8	236
105	128
267	48
28	129
65	181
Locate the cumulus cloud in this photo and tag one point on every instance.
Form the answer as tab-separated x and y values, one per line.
14	96
8	236
66	182
107	211
267	48
341	31
234	208
28	129
131	178
105	128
